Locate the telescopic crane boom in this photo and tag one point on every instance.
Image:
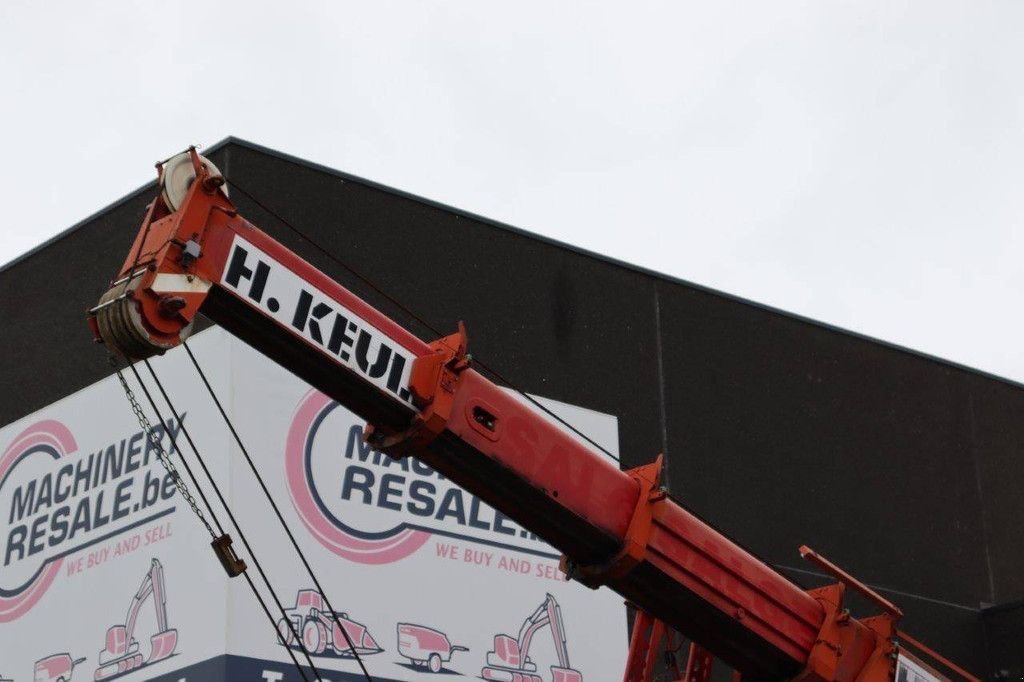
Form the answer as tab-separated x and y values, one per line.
195	253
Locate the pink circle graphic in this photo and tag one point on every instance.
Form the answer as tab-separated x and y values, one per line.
57	438
394	546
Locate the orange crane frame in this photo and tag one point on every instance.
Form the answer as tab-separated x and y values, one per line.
615	528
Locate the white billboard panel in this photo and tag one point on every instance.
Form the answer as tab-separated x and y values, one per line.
97	546
426	580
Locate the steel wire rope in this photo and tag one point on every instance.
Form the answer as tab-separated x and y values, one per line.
494	373
165	459
220	528
400	306
217	522
179	484
439	336
277	511
241	534
270	617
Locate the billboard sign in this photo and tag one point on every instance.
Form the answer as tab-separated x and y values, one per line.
106	574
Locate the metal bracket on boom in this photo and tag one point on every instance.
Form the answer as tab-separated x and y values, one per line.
434	380
840	650
634	546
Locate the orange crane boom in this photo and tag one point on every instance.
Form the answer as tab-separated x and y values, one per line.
195	253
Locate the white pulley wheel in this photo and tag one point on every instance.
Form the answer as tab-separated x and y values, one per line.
179	175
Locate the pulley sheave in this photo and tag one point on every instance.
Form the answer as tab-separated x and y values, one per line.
178	176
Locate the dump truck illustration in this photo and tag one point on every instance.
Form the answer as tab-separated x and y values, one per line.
321	630
55	668
425	646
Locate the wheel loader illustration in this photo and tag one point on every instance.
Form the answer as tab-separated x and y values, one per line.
121	652
320	631
425	646
55	668
510	661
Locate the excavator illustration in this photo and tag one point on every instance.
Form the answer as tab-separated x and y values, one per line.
320	629
510	661
195	253
121	652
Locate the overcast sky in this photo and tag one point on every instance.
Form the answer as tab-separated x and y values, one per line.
855	162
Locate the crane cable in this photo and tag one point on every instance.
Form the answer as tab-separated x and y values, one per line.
245	542
137	409
494	373
398	304
165	460
184	490
476	361
425	324
168	464
277	511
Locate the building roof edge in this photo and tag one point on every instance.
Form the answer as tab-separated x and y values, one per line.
653	274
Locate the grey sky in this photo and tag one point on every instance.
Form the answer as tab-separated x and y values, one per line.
856	162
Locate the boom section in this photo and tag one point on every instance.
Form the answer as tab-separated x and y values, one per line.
615	528
206	258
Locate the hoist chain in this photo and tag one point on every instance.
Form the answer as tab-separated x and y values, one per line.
165	459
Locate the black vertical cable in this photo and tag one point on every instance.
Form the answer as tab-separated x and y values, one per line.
277	511
220	528
298	635
234	521
270	617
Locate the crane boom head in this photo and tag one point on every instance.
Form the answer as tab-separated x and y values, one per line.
151	305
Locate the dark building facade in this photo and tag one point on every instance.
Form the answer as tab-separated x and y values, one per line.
780	431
